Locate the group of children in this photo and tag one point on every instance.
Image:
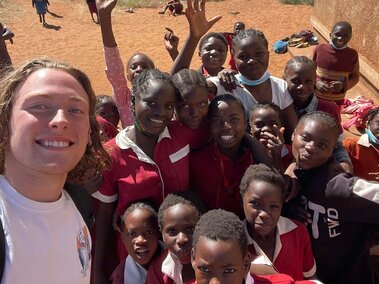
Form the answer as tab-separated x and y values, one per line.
245	145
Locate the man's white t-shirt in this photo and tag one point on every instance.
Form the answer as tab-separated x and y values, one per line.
45	242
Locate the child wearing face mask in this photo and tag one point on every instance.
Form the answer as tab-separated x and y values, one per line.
364	152
337	65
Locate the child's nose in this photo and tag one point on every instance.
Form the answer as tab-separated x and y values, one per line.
140	239
215	280
182	238
193	111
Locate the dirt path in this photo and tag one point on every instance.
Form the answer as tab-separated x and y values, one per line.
73	37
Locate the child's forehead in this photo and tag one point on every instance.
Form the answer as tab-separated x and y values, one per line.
265	113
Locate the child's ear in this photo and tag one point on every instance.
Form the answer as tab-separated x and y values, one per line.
247	263
193	258
293	135
199	52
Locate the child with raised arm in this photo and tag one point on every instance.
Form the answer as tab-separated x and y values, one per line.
114	66
344	211
337	64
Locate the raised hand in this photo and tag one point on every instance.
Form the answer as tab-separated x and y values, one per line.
171	41
198	23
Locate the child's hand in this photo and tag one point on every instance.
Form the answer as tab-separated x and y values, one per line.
227	79
274	143
171	41
374	175
336	86
196	18
323	87
105	6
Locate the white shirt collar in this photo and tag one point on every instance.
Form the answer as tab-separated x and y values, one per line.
172	267
364	141
124	142
284	226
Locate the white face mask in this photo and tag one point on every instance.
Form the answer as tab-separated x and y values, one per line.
371	136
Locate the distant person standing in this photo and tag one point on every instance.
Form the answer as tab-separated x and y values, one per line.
41	8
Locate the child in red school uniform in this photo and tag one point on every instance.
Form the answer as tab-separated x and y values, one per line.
266	126
337	65
149	159
114	66
300	75
178	215
220	253
140	235
107	116
250	48
217	168
364	152
342	210
273	238
238	26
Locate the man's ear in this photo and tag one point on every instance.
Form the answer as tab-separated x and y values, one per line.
293	135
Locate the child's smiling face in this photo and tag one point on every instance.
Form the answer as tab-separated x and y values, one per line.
217	261
313	142
140	235
178	225
227	125
301	80
251	56
154	109
213	53
340	36
374	125
263	120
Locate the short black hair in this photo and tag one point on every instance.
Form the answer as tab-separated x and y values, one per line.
261	173
324	117
188	79
189	198
239	24
138	205
266	106
223	98
300	60
221	225
249	33
100	99
148	59
207	36
344	24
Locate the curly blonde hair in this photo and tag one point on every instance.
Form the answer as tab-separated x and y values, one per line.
95	158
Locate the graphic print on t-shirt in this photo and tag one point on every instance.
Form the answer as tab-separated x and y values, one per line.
84	250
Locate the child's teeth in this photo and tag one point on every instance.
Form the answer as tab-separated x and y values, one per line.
226	137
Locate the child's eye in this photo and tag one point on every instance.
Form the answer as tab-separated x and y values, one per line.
151	103
185	106
203	104
323	146
190	229
234	119
171	232
295	82
170	107
259	124
254	203
274	206
229	270
204	269
305	138
132	234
